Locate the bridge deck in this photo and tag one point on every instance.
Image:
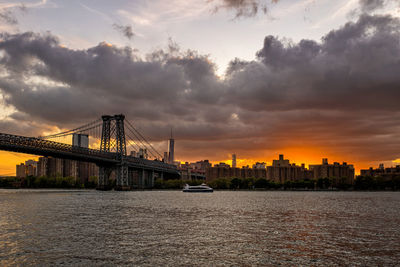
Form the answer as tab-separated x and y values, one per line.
36	146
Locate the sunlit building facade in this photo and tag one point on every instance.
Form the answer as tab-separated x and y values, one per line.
21	173
282	171
55	167
335	170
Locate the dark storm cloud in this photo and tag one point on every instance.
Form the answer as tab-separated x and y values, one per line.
102	79
125	30
340	94
354	67
371	5
21	125
244	8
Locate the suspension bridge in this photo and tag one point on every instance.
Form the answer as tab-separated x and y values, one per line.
112	136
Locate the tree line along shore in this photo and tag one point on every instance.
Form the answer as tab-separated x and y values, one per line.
360	183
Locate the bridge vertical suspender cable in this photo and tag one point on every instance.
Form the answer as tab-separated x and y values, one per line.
140	141
95	130
133	130
82	128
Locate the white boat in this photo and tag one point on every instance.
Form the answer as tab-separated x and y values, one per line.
197	188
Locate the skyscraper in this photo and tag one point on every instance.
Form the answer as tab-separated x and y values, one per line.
171	150
81	140
233	160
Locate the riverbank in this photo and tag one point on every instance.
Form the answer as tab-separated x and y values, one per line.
44	182
243	184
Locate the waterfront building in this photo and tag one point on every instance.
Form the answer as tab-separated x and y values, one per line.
53	167
223	170
27	169
194	171
191	174
171	155
259	165
201	165
143	153
81	140
83	171
335	170
387	173
233	160
21	173
282	170
93	170
42	166
30	170
70	168
31	162
247	172
31	167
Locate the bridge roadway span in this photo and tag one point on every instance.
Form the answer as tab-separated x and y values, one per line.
36	146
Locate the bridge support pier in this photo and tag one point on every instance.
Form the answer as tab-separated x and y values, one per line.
152	179
142	175
122	178
103	180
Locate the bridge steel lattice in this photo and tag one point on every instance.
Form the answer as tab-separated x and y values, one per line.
112	155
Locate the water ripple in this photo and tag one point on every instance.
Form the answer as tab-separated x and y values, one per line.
170	228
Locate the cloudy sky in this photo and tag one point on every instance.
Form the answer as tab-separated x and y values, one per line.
306	78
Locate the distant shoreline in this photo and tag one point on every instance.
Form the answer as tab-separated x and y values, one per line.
361	183
216	190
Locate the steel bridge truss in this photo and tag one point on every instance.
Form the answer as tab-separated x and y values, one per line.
112	155
113	139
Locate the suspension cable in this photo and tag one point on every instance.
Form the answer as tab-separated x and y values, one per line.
69	132
130	141
144	146
129	124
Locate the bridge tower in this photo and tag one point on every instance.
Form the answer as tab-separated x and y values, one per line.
105	144
120	136
122	168
113	140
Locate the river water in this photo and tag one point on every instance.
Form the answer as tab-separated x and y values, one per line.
159	228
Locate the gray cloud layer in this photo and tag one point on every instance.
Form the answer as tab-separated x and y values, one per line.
125	30
368	6
341	94
8	17
355	62
244	8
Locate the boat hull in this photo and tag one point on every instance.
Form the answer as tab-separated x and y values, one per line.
198	190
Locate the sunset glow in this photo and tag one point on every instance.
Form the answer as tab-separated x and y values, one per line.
200	132
227	77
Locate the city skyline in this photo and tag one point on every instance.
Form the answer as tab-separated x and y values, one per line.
232	163
200	132
327	88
